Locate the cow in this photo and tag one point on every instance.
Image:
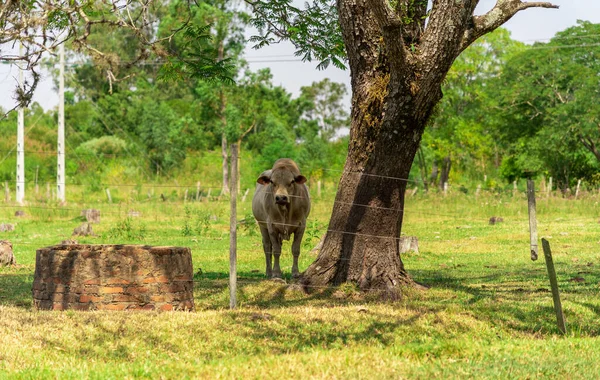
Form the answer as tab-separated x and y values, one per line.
280	206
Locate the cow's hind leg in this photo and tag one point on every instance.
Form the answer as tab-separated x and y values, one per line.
267	247
296	251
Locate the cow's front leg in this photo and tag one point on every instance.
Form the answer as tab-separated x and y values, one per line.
296	250
268	249
276	245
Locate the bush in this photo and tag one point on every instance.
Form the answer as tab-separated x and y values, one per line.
105	145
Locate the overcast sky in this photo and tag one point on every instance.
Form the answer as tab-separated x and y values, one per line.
531	25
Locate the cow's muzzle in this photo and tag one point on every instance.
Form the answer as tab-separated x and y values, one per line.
282	199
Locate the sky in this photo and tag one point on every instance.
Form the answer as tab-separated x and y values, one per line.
530	25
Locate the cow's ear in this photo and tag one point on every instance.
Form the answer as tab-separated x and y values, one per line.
264	180
300	179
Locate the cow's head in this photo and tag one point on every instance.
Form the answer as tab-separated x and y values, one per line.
283	184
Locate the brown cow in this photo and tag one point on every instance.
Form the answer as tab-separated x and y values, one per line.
280	205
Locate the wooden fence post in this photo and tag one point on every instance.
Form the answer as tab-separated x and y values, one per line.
197	191
549	187
108	195
233	228
560	317
577	190
37	188
533	237
245	195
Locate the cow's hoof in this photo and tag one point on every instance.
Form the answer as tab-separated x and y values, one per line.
277	274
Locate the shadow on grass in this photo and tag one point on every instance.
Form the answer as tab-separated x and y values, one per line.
518	299
211	292
15	289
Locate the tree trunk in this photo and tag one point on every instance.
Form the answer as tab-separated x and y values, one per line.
445	175
423	169
397	64
433	177
224	147
361	244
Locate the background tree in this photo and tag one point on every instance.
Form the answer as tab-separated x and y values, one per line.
226	25
549	107
462	128
325	107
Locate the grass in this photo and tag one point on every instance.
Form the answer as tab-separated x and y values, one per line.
488	313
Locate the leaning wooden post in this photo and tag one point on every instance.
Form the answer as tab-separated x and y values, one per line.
245	195
533	238
233	228
560	317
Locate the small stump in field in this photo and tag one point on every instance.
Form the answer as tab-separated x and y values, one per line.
113	277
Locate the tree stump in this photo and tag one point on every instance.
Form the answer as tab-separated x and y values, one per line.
91	215
7	256
408	244
318	247
84	230
113	277
495	220
4	227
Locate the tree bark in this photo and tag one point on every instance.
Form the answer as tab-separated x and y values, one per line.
396	68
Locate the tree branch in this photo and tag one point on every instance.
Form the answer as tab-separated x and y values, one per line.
503	11
42	25
589	144
414	15
391	26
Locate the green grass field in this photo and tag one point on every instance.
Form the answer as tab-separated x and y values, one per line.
488	313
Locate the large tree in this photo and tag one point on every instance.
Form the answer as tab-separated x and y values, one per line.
399	53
